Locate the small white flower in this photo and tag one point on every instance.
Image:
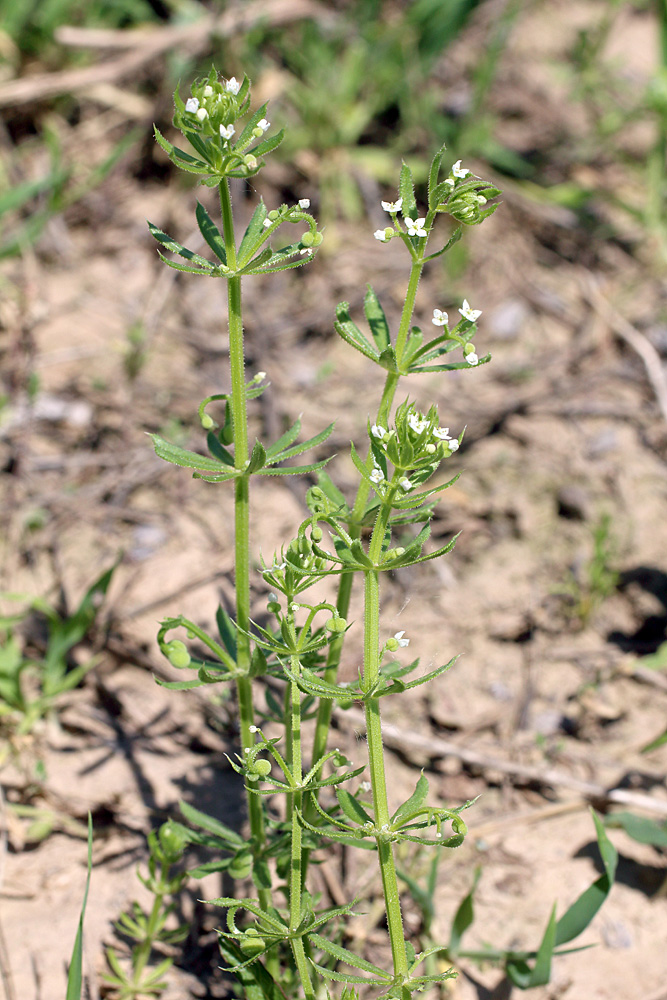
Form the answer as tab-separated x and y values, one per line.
378	431
376	476
468	313
416	227
202	114
442	433
306	250
227	131
232	86
263	124
253	729
365	786
304	203
392	206
381	235
406	484
294	607
208	91
440	318
459	171
259	377
416	423
472	358
453	445
267	223
400	640
191	105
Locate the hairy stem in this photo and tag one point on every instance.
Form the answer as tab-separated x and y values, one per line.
241	519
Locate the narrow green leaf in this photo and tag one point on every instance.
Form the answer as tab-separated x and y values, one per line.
171	244
256	982
184	267
285	440
246	136
227	631
186	459
350	332
210	232
352	808
464	916
312	442
376	320
257	458
252	235
75	974
205	822
541	972
433	175
406	189
349	957
218	450
295	470
577	918
268	145
417	798
180	157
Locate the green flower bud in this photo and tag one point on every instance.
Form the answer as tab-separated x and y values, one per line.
177	654
206	422
316	534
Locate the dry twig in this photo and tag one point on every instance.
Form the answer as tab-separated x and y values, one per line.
435	747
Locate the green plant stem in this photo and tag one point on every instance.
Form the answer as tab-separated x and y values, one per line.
143	951
241	520
375	748
296	862
325	707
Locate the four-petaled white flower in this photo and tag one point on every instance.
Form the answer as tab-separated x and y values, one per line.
406	484
442	433
381	235
227	131
263	124
304	203
192	105
468	313
440	318
392	206
376	476
232	86
459	171
416	423
453	445
378	431
401	641
472	358
267	223
416	227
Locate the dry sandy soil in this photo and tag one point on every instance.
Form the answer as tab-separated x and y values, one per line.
563	428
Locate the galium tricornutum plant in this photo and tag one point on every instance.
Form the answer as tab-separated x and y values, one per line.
279	941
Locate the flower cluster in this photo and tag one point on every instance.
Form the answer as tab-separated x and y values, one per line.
414	446
441	318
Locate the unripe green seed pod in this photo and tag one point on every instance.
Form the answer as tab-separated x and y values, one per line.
172	840
308	239
317	239
273	607
316	534
392	645
252	943
206	422
241	866
273	215
468	349
250	161
336	624
260	767
177	654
